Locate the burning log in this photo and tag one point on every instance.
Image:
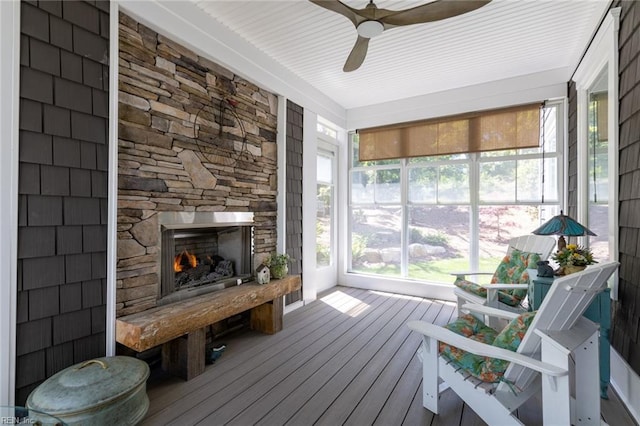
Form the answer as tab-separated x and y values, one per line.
183	261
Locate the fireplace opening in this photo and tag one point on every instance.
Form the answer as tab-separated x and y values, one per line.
205	253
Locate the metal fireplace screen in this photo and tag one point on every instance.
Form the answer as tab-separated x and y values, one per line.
202	257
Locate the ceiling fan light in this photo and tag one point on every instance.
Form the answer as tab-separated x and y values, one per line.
370	29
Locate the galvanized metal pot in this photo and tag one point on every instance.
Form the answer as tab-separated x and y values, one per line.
102	391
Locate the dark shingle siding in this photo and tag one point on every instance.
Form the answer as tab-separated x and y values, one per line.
83	15
44	57
34	22
73	96
69	239
293	185
39	333
71	66
36	85
70	297
71	326
57	121
39	272
36	241
64	106
44	302
625	333
30	115
66	152
90	45
61	33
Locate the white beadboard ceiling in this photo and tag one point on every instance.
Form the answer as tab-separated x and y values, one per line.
502	40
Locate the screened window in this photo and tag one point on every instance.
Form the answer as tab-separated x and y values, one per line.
423	217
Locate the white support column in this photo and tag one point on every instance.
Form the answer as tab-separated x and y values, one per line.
112	202
9	125
309	202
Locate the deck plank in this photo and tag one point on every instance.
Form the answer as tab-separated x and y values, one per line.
328	387
232	366
273	364
320	367
377	395
346	359
401	345
613	412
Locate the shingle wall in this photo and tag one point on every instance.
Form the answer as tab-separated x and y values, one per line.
62	224
625	329
294	211
572	171
626	311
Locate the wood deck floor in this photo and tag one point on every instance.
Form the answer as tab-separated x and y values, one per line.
347	358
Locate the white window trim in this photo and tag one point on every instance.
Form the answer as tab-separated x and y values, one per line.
430	288
602	53
112	202
9	125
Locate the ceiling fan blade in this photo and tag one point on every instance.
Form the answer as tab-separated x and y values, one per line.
434	11
357	55
339	7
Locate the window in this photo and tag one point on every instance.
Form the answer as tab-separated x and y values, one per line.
423	217
597	144
325	217
598	166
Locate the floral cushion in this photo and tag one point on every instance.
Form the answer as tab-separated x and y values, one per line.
511	336
485	368
512	270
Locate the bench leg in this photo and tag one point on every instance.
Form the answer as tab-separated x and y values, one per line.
184	356
267	318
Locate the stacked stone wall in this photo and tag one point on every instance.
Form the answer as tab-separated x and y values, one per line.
226	161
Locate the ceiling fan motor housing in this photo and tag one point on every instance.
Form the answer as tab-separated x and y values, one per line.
370	29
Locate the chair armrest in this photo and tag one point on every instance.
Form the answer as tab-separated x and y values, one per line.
501	286
489	311
569	340
443	335
463	274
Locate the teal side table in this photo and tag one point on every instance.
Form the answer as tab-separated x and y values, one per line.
599	312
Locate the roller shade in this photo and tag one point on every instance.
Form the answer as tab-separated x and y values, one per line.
499	129
601	105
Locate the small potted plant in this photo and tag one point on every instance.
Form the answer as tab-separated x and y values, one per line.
573	258
278	265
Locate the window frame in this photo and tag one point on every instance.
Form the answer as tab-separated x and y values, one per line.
601	54
473	160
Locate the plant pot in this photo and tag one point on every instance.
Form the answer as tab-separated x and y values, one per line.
279	271
570	269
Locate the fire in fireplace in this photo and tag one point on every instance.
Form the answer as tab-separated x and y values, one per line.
203	252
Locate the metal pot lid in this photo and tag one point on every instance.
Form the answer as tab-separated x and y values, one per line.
88	385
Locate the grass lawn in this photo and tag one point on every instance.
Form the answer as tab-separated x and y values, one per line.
434	270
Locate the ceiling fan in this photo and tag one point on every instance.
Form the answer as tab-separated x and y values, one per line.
371	21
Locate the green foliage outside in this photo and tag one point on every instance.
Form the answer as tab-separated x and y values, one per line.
358	244
434	270
323	255
433	239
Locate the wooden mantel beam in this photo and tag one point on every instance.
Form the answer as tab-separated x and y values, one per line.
153	327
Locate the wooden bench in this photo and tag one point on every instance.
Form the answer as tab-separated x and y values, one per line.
181	326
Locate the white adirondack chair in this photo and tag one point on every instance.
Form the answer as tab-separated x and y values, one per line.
541	244
557	333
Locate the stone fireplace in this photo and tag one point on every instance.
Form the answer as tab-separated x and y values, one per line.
195	143
203	252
